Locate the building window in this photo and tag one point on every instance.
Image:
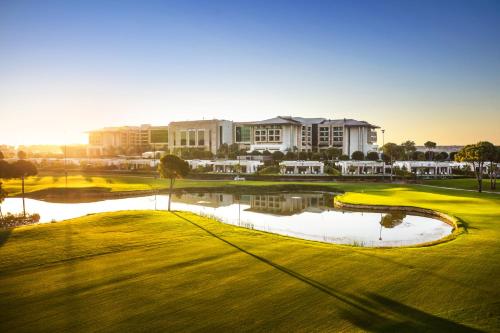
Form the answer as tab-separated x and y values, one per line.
260	135
324	133
159	136
242	134
192	138
274	135
183	138
201	137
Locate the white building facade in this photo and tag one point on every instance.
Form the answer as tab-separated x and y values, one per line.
306	134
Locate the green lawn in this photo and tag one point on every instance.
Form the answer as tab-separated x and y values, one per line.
159	271
128	183
463	183
79	181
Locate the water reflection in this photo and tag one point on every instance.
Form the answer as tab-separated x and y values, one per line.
275	203
303	215
391	220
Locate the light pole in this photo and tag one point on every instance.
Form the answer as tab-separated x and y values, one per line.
382	154
65	166
154	172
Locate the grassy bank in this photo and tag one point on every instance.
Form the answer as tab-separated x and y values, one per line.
154	271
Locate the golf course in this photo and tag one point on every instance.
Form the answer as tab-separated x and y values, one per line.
176	271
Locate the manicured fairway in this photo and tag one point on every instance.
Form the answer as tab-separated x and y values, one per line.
463	183
159	271
81	181
115	183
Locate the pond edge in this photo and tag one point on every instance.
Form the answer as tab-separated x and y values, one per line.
458	225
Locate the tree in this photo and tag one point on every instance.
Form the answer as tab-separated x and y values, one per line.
372	156
476	154
358	155
278	156
223	151
21	169
172	167
315	156
333	153
418	156
430	145
3	195
5	173
343	157
21	155
442	156
494	159
303	155
290	156
408	148
392	152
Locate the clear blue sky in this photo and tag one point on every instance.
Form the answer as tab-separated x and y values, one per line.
423	70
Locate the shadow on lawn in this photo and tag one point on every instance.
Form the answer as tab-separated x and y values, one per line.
73	300
371	312
4	236
377	313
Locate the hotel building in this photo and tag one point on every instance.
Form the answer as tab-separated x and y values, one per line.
204	134
306	134
275	134
126	140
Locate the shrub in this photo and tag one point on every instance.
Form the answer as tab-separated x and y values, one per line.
269	170
372	156
332	171
358	156
14	220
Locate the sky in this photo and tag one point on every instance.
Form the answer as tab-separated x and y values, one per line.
422	70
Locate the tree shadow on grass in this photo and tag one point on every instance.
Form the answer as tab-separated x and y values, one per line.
373	312
428	272
381	314
72	301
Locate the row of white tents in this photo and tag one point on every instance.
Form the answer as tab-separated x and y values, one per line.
349	167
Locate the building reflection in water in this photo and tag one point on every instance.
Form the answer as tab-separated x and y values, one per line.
273	203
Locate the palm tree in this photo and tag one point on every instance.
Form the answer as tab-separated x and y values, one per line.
409	148
172	167
391	152
5	171
22	169
478	155
430	145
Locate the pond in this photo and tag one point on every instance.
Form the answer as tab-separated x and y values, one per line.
308	216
